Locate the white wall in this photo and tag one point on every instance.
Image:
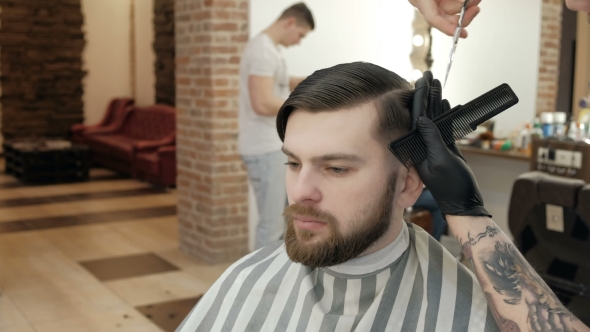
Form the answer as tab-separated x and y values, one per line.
378	31
106	54
503	47
145	57
495	177
107	57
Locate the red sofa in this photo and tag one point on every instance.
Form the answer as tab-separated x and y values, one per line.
142	130
113	117
157	166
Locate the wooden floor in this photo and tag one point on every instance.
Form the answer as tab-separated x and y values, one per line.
95	256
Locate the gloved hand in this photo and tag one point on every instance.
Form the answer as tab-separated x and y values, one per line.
444	171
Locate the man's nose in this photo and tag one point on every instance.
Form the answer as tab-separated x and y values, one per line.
305	188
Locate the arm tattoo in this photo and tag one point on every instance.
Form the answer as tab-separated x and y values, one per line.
517	282
489	232
505	325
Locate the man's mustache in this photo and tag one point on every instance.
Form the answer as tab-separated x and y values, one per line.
308	211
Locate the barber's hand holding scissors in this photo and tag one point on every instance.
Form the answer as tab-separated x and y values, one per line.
444	171
443	14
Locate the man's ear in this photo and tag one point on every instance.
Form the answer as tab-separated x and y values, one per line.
412	189
290	22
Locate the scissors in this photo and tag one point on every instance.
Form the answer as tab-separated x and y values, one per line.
458	30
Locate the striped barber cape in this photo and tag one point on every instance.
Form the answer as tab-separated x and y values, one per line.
413	284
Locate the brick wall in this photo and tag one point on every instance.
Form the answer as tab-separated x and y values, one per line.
41	65
164	48
212	181
549	57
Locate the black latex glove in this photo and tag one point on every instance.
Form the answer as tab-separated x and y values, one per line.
444	171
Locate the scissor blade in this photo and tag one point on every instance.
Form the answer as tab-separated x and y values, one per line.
456	37
451	57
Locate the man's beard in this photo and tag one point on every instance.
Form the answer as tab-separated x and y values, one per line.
366	228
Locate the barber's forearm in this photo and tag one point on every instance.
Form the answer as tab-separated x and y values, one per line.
269	107
519	299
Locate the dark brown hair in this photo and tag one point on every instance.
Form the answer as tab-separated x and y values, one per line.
301	13
352	84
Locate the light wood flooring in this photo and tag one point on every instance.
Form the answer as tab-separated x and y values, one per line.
52	236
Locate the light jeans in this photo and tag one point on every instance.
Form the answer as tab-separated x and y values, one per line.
267	176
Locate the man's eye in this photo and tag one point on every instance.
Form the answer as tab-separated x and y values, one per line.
292	165
337	170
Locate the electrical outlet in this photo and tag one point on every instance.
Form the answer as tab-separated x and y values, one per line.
563	158
577	159
542	154
554	215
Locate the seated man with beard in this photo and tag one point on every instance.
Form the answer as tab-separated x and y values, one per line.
348	261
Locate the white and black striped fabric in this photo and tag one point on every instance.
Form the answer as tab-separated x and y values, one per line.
425	289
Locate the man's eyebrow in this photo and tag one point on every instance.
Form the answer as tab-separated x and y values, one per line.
288	153
328	157
338	156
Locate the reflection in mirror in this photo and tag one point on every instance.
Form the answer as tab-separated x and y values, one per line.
420	56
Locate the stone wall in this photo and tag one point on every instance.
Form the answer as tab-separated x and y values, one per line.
164	46
212	181
41	63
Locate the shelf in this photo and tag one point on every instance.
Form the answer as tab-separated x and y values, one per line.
492	153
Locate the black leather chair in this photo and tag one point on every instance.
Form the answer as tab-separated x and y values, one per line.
561	258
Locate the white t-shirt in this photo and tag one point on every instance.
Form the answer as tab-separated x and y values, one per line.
261	57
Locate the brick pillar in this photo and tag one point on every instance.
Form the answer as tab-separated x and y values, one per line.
212	181
549	57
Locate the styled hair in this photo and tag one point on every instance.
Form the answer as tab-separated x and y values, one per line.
353	84
300	12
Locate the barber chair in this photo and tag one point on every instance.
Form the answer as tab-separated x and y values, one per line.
561	255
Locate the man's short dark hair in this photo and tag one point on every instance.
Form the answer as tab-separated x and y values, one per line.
353	84
300	12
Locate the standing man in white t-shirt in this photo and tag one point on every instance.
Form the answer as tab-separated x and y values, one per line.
265	85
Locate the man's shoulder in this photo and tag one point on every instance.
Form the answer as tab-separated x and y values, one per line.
258	256
261	46
258	42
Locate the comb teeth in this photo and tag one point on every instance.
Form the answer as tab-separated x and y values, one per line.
455	124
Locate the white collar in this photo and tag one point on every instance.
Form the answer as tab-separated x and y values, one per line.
377	260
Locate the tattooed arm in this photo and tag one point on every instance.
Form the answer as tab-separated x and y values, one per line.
519	299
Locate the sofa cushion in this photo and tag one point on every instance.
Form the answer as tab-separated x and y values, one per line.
118	146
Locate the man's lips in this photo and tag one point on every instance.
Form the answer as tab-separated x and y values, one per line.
308	223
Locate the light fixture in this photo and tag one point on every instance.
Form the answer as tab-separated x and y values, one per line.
418	40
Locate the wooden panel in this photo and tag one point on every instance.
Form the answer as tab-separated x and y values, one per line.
553	168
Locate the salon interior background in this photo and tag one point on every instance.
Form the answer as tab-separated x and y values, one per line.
503	47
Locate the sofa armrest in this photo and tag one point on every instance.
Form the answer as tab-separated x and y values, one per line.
166	151
155	144
100	130
79	127
167	157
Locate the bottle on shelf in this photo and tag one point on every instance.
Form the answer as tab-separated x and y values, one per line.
573	131
559	120
547	123
537	130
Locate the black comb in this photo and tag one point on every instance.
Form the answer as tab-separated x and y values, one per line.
455	124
